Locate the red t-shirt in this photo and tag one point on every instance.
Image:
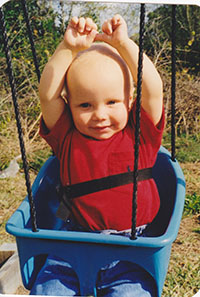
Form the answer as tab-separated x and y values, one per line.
83	158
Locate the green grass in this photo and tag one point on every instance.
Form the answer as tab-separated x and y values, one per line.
187	148
37	159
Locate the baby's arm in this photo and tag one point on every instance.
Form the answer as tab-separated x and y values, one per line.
79	35
115	33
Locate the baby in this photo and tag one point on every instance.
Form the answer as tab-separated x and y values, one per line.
91	132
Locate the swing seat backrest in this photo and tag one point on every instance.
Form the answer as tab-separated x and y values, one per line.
88	252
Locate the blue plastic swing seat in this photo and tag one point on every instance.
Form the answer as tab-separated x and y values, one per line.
88	252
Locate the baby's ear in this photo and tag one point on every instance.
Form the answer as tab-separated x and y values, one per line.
64	94
131	100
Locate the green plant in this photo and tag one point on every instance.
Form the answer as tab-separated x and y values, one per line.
192	204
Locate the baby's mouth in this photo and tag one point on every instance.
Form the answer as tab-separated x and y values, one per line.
101	127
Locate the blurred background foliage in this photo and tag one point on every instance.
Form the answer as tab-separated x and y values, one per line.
158	36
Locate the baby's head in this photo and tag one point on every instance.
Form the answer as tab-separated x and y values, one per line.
99	92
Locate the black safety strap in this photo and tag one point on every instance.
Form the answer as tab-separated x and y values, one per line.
81	189
106	183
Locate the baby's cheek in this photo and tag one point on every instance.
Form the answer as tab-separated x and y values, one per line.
123	115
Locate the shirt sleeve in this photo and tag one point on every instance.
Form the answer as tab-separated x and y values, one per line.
58	133
149	133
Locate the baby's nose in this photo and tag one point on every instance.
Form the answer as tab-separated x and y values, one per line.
100	114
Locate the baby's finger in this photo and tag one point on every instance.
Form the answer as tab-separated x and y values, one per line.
73	22
81	25
91	36
117	20
107	27
90	25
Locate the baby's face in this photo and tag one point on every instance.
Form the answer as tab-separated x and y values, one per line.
98	101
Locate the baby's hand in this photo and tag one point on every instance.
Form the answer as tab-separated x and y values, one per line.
114	31
80	33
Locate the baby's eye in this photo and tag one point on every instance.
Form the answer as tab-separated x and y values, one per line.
111	102
85	105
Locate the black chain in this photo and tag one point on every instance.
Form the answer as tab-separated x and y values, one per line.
18	121
173	84
26	16
137	124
